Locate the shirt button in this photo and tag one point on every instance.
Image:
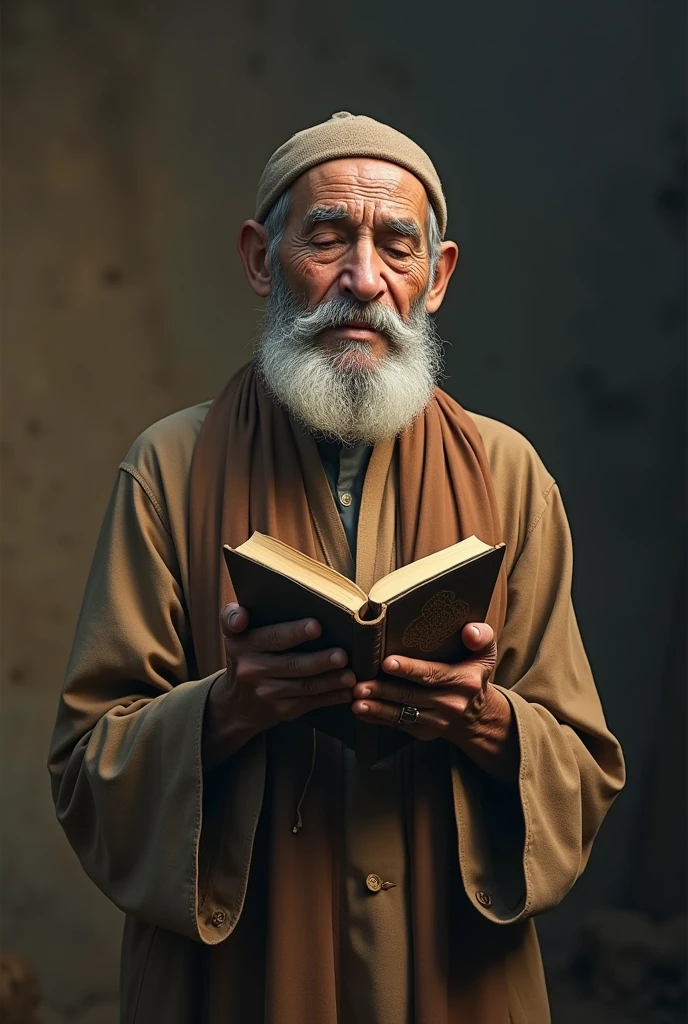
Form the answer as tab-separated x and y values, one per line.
345	499
218	918
374	883
483	898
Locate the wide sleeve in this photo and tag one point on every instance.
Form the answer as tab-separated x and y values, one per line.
125	756
521	850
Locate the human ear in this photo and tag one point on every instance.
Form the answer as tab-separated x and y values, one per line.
449	257
252	244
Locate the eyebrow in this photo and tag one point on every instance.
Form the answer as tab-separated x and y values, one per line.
318	214
404	226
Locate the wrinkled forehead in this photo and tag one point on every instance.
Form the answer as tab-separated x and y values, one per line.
367	187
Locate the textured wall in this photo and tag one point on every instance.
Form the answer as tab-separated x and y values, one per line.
87	361
133	139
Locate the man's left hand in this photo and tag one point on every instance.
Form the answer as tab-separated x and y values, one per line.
455	702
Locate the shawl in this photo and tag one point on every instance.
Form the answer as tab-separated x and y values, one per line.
280	964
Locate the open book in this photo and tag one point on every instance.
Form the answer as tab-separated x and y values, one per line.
417	611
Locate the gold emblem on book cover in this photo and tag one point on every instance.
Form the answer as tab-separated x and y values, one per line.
442	616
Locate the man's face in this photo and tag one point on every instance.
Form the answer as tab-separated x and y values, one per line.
347	344
356	230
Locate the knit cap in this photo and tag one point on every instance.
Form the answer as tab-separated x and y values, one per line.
347	135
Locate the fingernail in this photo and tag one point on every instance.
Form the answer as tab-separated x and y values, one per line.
338	658
347	678
366	691
233	618
364	707
311	629
394	665
476	632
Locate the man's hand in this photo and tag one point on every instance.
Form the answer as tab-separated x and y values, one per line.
455	702
267	682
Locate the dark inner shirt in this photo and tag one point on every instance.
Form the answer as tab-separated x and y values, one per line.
345	467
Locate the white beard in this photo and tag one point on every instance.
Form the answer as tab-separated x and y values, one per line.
335	394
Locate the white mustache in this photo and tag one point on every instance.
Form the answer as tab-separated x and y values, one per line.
337	312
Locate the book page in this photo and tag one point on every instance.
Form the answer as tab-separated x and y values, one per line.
316	576
409	576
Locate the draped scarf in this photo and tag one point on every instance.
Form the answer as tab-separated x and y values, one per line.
281	962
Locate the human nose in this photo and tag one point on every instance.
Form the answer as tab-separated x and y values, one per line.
361	278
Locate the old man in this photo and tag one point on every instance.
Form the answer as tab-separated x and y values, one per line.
268	870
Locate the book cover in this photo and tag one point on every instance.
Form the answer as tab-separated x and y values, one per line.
423	622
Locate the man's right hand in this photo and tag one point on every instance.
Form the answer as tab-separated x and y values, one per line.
267	682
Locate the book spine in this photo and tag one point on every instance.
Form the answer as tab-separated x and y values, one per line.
367	647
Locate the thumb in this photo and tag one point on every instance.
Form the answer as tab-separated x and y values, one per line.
479	638
233	619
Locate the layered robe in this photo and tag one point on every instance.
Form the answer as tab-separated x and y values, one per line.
131	794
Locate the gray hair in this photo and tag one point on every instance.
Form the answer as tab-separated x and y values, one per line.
276	221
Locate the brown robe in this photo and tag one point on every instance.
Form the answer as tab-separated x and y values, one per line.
127	774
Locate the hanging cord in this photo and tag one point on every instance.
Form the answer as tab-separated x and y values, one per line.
299	821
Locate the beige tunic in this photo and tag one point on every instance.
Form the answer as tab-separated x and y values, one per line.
127	774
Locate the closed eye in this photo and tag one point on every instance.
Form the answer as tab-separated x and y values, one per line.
325	243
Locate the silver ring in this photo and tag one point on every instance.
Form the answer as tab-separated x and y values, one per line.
409	715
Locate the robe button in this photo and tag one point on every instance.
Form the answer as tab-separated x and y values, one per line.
374	883
483	898
345	499
218	918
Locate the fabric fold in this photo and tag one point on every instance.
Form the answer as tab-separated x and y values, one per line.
526	847
130	725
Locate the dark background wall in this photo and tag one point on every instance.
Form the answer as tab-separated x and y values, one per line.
133	137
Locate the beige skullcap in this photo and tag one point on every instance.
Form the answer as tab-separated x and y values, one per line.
346	135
